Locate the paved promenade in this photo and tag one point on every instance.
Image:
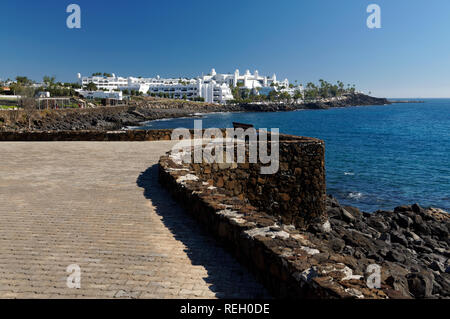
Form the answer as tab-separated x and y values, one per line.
98	205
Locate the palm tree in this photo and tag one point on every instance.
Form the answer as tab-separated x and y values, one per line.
49	80
91	86
341	87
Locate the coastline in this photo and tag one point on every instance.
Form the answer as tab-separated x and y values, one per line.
329	254
143	110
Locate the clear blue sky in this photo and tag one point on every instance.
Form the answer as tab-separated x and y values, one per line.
301	40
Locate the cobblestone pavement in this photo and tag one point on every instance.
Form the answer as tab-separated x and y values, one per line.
98	205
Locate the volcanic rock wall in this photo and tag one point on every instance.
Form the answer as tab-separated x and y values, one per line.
295	193
232	201
87	135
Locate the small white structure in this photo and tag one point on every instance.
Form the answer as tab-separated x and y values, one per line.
43	94
292	91
101	95
11	97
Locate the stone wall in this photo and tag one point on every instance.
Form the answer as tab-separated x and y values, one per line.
295	194
233	204
122	135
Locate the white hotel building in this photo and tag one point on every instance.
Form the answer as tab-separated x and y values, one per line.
214	87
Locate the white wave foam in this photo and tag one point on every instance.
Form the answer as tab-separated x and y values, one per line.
349	173
355	195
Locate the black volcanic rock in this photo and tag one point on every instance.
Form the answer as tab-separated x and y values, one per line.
356	99
420	284
411	243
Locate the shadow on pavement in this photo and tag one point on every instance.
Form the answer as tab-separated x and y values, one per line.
227	277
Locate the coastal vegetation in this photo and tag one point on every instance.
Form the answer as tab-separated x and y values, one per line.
8	107
171	96
295	93
26	87
327	90
102	74
91	87
132	92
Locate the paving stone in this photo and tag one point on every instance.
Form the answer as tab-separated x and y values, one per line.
99	205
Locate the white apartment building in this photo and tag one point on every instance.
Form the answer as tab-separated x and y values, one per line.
246	80
102	82
214	87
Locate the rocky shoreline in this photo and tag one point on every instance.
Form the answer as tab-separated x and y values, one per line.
147	109
345	101
410	244
310	246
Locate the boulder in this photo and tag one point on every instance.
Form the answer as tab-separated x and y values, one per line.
378	223
417	209
337	245
386	237
400	209
441	285
420	284
403	221
395	256
354	211
347	216
437	266
398	237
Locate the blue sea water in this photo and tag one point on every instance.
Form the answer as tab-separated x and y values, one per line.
377	157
